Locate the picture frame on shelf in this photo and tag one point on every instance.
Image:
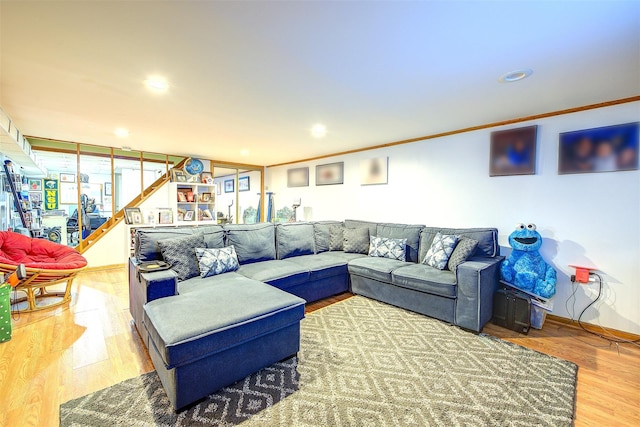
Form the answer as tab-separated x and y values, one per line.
182	196
206	178
330	174
205	197
165	216
206	215
180	216
188	216
191	196
243	183
67	177
178	175
229	186
133	215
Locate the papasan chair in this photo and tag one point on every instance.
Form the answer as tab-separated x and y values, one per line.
47	263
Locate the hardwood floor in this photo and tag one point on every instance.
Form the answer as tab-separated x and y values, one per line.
70	351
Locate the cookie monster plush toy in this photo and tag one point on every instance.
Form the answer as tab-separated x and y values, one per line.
524	267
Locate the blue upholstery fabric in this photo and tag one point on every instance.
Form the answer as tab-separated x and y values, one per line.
210	319
198	282
356	240
322	234
402	231
180	254
487	239
346	256
279	273
253	242
354	223
375	268
321	266
146	239
424	278
294	239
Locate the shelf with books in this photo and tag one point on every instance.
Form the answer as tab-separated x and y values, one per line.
193	202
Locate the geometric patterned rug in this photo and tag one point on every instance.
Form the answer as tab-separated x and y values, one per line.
364	363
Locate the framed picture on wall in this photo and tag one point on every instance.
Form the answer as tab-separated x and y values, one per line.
374	171
298	177
603	149
243	183
67	177
108	191
513	151
330	174
35	185
229	186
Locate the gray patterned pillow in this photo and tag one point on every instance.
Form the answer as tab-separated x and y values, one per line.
386	247
180	254
464	249
356	240
214	261
336	237
440	250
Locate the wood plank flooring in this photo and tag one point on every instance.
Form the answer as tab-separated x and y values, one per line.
70	351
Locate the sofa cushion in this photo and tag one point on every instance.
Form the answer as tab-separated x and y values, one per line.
321	267
424	278
322	235
210	319
441	249
336	238
403	231
294	239
345	256
374	268
213	235
279	273
356	240
253	242
216	260
180	254
354	223
487	239
463	250
146	239
386	247
197	281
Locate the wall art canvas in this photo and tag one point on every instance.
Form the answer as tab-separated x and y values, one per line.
513	151
603	149
298	177
243	183
374	171
330	174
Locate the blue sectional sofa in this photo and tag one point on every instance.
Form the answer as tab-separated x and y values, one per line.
199	331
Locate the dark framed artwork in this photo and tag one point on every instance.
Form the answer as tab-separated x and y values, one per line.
243	183
513	151
603	149
330	174
229	186
298	177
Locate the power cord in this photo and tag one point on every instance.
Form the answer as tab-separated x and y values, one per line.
609	337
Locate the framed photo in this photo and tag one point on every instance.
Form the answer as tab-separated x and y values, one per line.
67	177
182	196
206	178
178	175
205	215
330	174
132	215
298	177
35	196
108	190
374	171
603	149
205	197
165	216
35	185
180	216
513	152
188	216
243	183
228	186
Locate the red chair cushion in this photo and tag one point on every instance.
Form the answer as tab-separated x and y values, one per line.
17	249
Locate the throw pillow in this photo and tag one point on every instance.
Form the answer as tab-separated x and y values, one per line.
180	254
440	250
386	247
463	250
356	240
214	261
336	237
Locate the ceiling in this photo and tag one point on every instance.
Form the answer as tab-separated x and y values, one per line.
257	75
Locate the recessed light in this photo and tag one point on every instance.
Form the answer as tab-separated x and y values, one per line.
121	132
244	152
157	84
516	75
318	130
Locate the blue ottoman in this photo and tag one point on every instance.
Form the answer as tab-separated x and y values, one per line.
212	336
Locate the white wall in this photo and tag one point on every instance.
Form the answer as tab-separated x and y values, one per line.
589	219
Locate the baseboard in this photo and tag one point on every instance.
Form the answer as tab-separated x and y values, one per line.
596	328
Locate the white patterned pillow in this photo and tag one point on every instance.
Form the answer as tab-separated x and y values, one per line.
214	261
440	250
386	247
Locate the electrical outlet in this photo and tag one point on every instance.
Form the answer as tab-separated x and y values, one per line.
573	278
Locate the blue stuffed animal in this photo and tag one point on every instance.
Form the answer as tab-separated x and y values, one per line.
524	267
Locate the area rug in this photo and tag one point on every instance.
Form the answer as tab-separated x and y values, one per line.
364	363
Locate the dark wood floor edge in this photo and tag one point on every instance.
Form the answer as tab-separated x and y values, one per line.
594	328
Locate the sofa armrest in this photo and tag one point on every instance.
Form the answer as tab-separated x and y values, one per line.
477	281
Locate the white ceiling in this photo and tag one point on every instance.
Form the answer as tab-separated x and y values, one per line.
256	75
